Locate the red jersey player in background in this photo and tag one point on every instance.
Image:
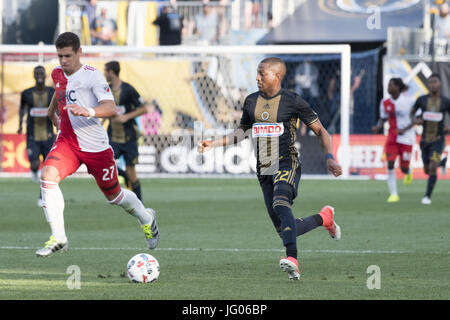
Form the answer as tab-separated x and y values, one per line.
81	97
401	135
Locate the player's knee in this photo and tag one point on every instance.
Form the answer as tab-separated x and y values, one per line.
50	173
34	165
432	168
282	196
114	198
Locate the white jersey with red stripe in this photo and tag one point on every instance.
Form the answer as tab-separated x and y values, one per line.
86	87
397	112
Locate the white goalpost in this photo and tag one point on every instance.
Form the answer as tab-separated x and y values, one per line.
160	68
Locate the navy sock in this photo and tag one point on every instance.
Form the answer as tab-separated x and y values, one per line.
136	187
288	229
122	173
304	225
291	250
430	184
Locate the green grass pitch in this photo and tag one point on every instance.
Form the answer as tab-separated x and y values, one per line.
217	242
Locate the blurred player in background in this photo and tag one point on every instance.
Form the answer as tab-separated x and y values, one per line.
401	135
40	136
274	110
122	129
82	95
430	110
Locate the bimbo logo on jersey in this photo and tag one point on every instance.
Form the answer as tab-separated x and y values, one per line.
38	112
267	130
433	116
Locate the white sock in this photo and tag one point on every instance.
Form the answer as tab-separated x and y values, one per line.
131	204
53	205
392	182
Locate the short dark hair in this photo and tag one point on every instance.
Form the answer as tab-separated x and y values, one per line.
114	66
400	84
273	60
68	39
39	67
435	75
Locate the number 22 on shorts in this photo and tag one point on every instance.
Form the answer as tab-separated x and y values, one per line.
281	176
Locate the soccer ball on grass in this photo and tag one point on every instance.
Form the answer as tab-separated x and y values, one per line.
143	268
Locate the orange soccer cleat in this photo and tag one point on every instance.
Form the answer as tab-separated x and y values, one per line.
290	265
327	214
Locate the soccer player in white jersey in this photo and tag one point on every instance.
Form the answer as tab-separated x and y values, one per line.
81	97
401	135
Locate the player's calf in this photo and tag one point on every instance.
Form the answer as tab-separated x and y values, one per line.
146	217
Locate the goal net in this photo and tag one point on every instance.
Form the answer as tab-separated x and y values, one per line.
198	92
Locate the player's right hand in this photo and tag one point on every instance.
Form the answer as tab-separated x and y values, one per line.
375	129
334	167
77	110
446	129
204	146
418	121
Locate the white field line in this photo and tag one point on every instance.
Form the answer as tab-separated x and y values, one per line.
245	250
84	175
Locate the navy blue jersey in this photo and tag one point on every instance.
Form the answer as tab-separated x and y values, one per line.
127	99
273	121
35	104
432	112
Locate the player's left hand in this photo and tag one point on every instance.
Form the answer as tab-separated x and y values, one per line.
334	167
204	146
77	110
122	118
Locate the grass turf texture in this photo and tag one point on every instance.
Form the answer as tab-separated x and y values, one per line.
200	219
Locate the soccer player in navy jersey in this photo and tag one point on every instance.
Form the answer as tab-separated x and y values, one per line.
34	102
272	113
430	111
122	129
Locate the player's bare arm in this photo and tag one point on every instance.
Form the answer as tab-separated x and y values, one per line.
22	112
409	126
325	142
417	118
233	138
51	112
402	131
376	128
105	109
122	118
